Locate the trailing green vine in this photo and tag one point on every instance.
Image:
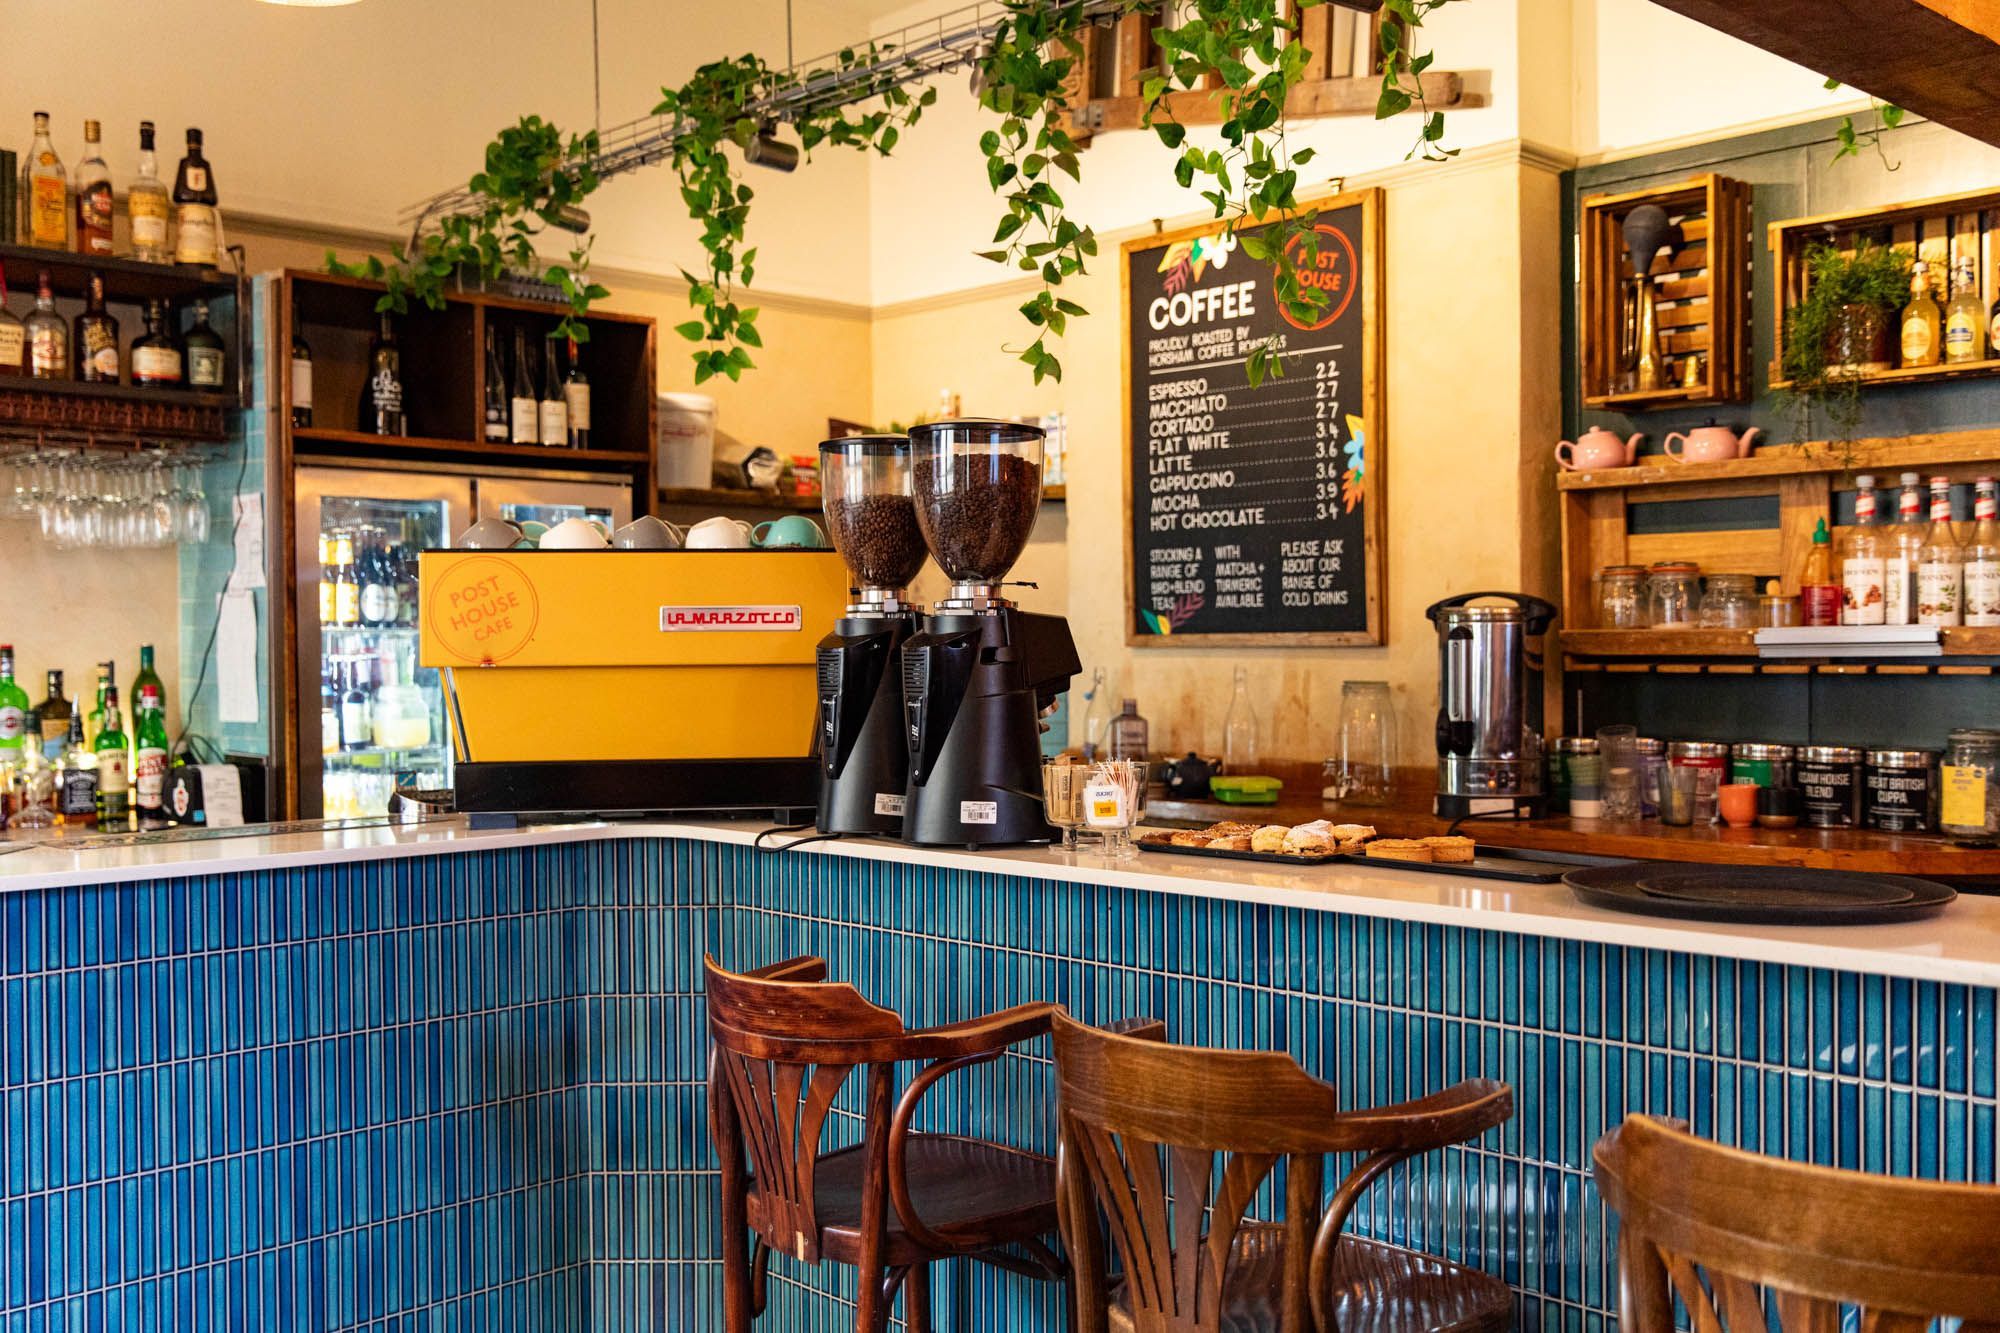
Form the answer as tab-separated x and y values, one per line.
1886	116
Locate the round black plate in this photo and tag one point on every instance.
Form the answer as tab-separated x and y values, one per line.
1774	895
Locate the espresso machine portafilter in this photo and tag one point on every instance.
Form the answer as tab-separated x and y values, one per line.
1489	719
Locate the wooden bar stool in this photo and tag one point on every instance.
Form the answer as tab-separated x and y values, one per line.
1741	1237
785	1042
1142	1125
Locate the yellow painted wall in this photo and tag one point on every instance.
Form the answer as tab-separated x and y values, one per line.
1472	405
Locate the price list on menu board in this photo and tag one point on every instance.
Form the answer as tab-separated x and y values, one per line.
1250	513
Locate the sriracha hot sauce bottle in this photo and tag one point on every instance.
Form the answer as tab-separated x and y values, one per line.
1819	593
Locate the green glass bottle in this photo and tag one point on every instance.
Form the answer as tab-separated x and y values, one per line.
114	767
106	677
148	694
149	766
14	705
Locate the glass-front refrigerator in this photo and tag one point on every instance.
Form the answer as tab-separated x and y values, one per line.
370	719
522	500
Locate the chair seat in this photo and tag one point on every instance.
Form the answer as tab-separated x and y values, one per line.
979	1193
1377	1288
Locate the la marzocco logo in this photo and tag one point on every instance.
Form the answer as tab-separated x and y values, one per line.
755	619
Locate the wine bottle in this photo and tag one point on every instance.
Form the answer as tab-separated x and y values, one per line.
496	391
576	392
382	394
554	407
522	408
302	382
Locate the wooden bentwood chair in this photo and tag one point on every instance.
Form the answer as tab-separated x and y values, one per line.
1142	1125
785	1042
1740	1237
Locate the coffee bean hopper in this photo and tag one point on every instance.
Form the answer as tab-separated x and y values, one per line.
980	674
864	757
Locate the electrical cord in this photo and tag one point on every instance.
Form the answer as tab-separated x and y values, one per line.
189	736
758	843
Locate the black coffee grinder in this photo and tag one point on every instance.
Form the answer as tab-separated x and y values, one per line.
980	674
863	755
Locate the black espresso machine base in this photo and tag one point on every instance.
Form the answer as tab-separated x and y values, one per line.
783	790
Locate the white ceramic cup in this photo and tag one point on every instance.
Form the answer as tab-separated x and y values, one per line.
574	534
718	534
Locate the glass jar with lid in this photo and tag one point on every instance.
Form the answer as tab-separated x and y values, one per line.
1673	594
1969	786
1730	602
1621	597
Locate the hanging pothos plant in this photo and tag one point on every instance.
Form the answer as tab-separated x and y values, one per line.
1248	48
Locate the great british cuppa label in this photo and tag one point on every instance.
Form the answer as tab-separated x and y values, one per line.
740	619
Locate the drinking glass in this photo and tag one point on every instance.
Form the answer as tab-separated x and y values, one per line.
1679	785
1617	747
1063	781
1113	802
1367	762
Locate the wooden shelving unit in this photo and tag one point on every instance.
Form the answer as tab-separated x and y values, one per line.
1701	293
1958	641
1958	454
1937	231
354	443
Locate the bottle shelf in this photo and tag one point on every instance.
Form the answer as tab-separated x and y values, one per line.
128	409
126	280
324	440
1958	641
729	497
371	756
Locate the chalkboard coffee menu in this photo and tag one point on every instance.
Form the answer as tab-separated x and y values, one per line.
1253	515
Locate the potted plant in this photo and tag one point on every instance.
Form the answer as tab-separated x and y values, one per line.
1843	330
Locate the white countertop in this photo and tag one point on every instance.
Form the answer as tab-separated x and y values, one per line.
1961	944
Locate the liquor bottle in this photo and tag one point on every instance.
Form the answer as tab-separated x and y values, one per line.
207	359
378	583
523	412
576	396
1239	728
195	218
496	392
44	192
76	789
1863	596
147	204
1940	567
354	722
302	382
94	724
382	393
1982	556
96	339
114	767
149	767
554	407
156	358
346	591
148	694
329	710
13	707
48	335
1902	548
55	712
1921	320
92	197
34	790
13	337
1964	318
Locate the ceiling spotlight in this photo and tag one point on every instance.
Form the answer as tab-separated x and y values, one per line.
768	150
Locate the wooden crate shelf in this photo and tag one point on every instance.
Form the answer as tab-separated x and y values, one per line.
1938	231
1966	451
1701	294
1959	641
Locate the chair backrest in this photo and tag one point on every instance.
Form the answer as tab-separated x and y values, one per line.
785	1041
1147	1125
1749	1242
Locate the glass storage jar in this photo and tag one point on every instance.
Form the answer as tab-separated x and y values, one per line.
1621	597
1969	786
1673	594
1730	602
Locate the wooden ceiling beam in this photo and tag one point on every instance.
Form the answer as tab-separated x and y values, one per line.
1938	58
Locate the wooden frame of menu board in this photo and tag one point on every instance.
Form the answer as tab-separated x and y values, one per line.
1324	463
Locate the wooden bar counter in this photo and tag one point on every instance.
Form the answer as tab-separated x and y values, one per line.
1409	816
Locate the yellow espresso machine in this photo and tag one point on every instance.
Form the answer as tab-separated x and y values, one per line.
630	682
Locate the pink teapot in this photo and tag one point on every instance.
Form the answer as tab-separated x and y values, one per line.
1710	444
1598	448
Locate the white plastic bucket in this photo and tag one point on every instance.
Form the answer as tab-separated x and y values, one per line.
686	446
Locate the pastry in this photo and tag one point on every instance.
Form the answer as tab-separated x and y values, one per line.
1304	841
1232	842
1229	828
1270	838
1352	832
1399	849
1190	838
1451	849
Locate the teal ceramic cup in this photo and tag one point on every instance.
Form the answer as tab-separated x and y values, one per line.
793	531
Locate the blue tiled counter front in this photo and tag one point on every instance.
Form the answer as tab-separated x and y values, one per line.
463	1090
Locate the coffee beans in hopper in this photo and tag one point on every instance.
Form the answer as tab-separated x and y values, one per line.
878	537
978	520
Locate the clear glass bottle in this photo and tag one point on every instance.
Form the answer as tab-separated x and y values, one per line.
1940	566
13	337
1239	728
197	224
1860	556
1964	318
92	196
148	205
44	192
1902	549
48	335
1096	716
96	337
1982	557
1922	321
1131	738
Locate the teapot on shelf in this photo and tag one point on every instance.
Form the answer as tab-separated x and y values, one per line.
1710	444
1598	448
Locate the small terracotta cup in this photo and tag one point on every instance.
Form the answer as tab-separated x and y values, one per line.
1738	803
